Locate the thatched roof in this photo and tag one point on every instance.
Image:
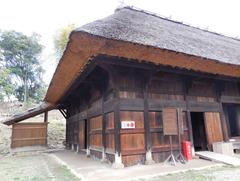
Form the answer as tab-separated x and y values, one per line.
141	27
139	35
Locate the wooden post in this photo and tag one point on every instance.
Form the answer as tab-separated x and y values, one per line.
117	123
187	84
67	135
148	142
78	125
46	117
88	136
219	88
146	125
189	121
46	121
103	129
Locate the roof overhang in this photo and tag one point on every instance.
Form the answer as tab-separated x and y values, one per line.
44	107
82	47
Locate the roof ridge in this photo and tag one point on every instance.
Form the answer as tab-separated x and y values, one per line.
171	20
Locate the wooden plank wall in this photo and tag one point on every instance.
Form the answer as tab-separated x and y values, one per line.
29	134
132	140
213	127
81	134
160	142
165	86
96	133
110	139
202	90
76	134
99	99
231	89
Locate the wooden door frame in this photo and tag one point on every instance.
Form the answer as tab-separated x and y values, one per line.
189	119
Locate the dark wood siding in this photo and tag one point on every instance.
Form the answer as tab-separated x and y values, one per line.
113	93
29	134
96	132
110	143
132	140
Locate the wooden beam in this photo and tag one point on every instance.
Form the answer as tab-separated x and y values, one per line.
141	64
63	113
230	99
79	80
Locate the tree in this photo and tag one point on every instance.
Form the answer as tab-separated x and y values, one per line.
6	89
20	58
61	39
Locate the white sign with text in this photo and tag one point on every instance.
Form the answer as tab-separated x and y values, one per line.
128	124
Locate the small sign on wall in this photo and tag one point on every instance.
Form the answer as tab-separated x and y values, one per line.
128	124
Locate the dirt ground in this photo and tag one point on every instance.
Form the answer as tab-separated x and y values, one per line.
36	167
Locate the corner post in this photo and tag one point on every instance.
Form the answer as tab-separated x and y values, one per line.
113	77
148	142
117	124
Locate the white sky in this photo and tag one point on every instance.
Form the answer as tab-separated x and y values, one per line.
46	16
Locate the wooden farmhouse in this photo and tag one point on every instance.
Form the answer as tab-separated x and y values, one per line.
134	85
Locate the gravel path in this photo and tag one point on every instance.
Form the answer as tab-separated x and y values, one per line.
35	167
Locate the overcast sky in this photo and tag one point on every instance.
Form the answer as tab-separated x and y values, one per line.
46	16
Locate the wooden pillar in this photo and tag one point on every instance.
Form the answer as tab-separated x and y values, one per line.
68	130
148	141
148	144
46	117
67	135
189	122
88	136
46	121
117	123
113	78
223	123
103	130
219	88
78	125
186	86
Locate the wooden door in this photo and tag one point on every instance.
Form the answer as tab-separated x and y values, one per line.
213	127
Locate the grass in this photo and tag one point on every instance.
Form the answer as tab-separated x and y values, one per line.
224	173
66	174
36	167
